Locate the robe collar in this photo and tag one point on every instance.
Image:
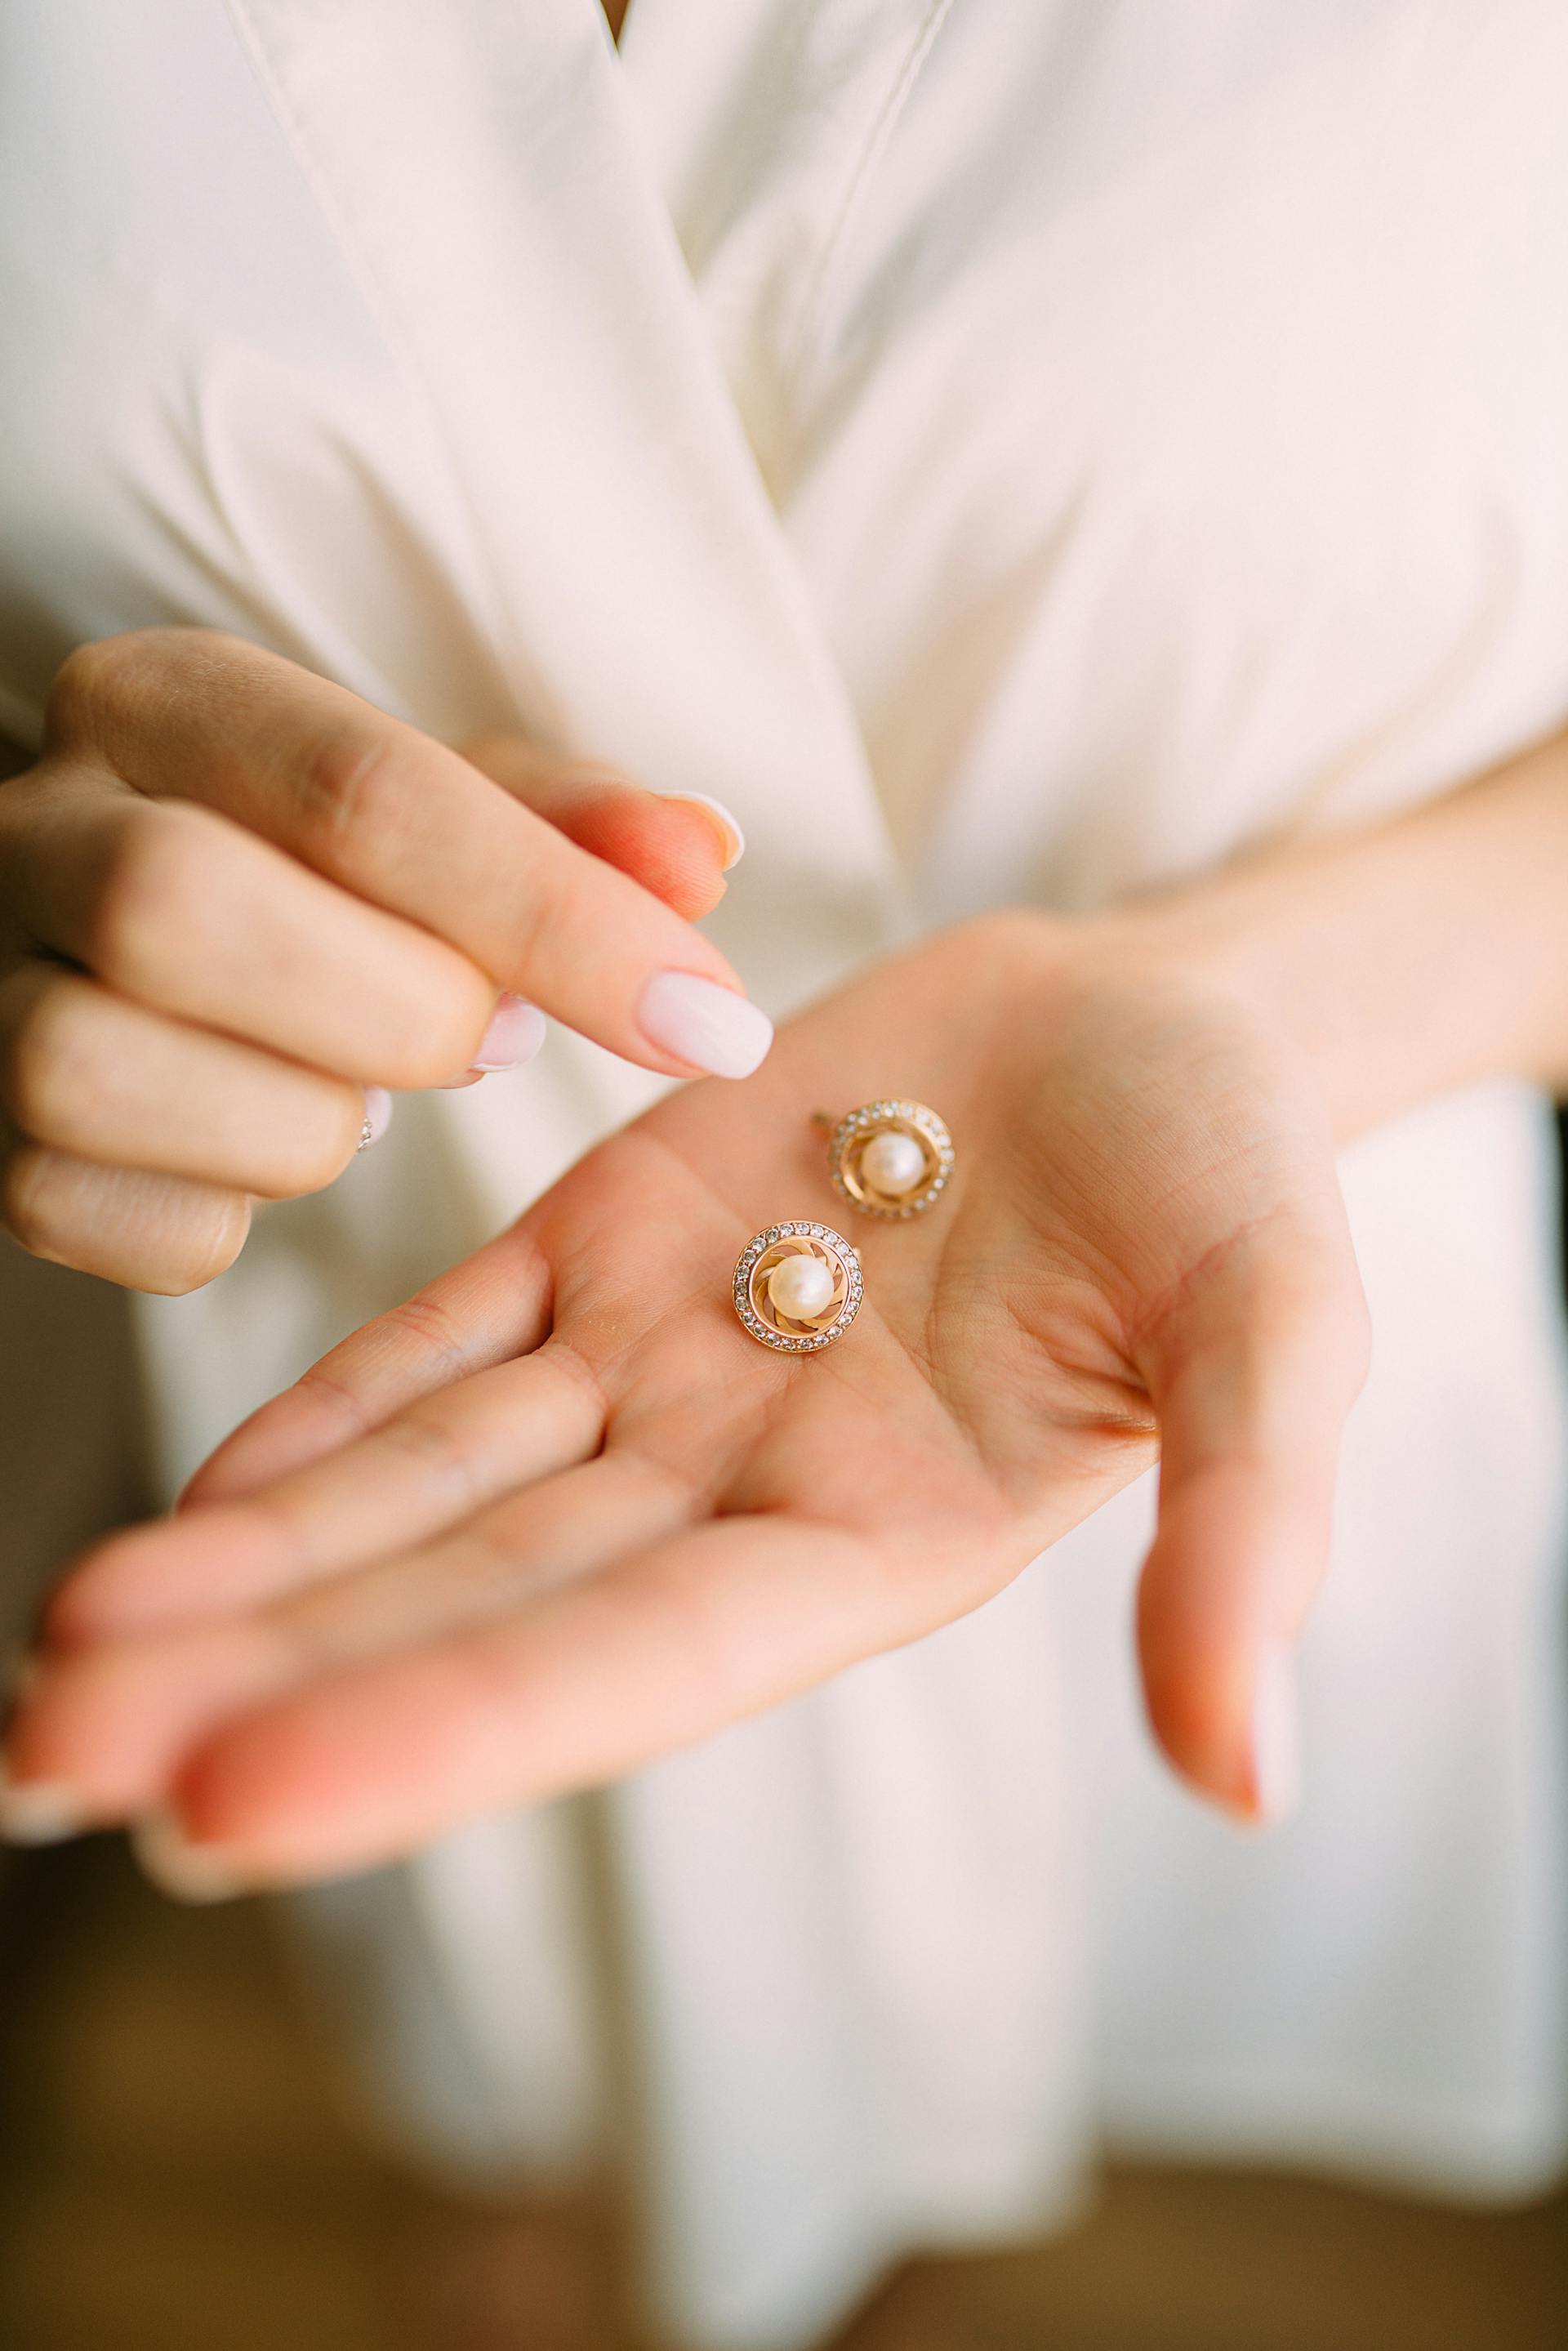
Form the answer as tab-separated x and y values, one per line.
481	166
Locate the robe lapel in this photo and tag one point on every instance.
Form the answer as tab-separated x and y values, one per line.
481	169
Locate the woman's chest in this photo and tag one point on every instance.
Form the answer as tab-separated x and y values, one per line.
1078	353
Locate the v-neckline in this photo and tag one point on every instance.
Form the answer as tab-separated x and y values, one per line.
528	275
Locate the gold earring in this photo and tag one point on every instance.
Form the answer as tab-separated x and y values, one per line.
889	1159
797	1287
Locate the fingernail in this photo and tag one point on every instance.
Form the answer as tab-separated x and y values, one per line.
706	1026
186	1872
34	1811
1276	1734
378	1116
515	1033
734	837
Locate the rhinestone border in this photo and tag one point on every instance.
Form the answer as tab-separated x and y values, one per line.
872	1115
810	1342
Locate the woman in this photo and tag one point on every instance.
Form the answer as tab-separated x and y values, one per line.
1020	460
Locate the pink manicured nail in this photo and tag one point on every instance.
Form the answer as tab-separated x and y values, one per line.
377	1116
735	838
515	1033
187	1872
1276	1734
707	1027
34	1811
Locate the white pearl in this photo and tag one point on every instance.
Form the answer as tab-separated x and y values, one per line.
801	1287
893	1163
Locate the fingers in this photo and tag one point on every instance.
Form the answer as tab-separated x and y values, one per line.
589	1681
494	1306
188	913
291	1774
433	1466
679	846
410	826
111	1722
161	1233
1251	1378
88	1073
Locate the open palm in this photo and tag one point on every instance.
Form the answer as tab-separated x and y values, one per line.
560	1514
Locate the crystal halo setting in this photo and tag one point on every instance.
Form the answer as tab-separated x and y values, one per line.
818	1287
891	1159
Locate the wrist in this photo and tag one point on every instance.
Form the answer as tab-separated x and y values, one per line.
1250	945
1394	963
1301	952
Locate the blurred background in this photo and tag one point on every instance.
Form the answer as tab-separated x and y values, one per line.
182	2166
182	2171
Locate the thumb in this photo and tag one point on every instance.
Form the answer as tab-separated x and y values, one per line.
1252	1375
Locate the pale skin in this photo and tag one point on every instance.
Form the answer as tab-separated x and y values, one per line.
233	897
560	1515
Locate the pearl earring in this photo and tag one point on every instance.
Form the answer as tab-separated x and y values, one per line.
797	1287
890	1159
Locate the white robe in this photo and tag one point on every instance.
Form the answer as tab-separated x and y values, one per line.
1007	450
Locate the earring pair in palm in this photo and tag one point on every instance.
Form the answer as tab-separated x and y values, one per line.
798	1286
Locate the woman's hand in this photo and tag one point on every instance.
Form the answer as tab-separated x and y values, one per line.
560	1514
233	897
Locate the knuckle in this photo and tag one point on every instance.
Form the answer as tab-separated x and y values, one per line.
559	892
85	681
48	1072
318	1146
141	677
30	1203
109	677
153	896
446	1019
346	784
